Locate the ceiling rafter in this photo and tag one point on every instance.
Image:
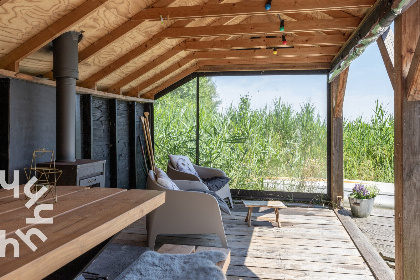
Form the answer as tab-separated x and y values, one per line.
3	2
116	87
222	55
156	78
261	28
281	52
170	81
267	67
266	42
11	60
245	61
249	8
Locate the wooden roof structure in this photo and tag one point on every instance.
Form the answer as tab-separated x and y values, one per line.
139	47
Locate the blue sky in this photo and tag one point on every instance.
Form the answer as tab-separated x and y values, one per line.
367	82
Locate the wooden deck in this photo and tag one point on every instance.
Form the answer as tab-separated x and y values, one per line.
311	244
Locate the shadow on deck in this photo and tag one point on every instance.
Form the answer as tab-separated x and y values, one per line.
310	244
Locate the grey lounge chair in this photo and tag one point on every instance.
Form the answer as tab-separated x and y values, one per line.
184	212
203	172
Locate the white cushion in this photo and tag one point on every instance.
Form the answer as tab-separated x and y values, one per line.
183	164
165	181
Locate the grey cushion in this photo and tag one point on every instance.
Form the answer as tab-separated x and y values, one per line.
215	183
164	180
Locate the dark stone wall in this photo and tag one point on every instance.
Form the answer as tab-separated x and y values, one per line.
27	114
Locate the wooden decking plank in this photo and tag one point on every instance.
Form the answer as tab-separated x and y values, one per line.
307	265
11	221
10	204
378	266
310	246
69	235
272	273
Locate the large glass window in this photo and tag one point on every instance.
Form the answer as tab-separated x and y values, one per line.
265	132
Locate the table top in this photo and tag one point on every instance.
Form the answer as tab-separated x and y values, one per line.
256	203
82	218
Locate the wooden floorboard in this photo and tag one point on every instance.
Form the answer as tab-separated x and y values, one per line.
310	244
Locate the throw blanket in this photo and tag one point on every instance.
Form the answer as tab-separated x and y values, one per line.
155	266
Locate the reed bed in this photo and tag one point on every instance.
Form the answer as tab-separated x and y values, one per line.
253	145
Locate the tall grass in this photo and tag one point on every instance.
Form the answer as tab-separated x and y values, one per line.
251	145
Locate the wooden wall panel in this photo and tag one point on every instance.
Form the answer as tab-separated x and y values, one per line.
101	134
4	125
123	143
141	176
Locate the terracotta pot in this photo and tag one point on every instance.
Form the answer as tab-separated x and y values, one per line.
361	208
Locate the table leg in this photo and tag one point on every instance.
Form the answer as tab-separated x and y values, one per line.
276	210
248	217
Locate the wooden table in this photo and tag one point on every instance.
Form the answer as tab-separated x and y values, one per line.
270	204
83	218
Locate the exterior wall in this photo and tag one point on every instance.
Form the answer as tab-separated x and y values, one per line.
27	113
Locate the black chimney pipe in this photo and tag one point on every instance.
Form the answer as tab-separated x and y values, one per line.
66	72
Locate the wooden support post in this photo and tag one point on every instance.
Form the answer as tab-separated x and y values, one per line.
113	154
134	144
197	124
337	90
386	47
407	150
87	125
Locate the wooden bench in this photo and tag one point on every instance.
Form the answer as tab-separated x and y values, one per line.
186	249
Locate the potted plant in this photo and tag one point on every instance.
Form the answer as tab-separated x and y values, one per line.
362	199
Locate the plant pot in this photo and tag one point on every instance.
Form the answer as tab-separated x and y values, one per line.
361	208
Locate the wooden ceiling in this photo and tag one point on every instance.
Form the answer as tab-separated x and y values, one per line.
139	47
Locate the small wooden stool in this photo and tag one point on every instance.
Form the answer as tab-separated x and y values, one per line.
270	204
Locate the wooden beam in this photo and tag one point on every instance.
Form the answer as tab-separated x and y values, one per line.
171	81
116	88
249	8
380	17
413	76
267	53
273	60
406	150
159	76
80	90
386	47
336	91
2	2
339	90
266	42
11	60
119	62
261	28
266	67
